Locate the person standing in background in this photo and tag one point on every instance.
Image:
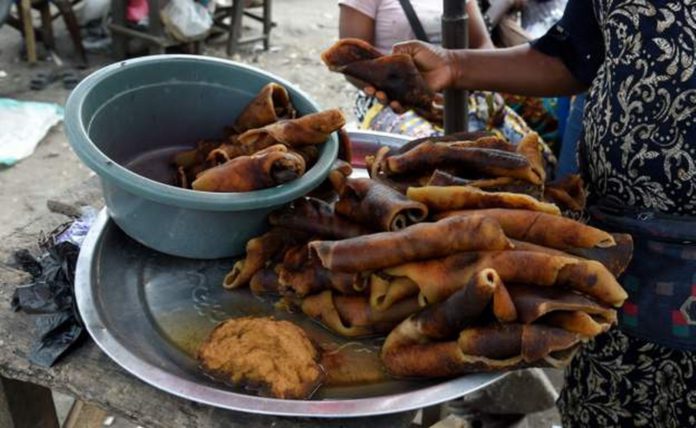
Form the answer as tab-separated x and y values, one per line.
383	23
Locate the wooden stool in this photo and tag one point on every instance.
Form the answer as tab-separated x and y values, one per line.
234	28
24	24
155	36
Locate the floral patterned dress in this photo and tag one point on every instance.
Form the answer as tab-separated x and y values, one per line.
638	157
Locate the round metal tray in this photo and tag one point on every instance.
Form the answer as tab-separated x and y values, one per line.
147	311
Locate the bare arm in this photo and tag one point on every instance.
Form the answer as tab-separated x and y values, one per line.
356	25
520	70
478	34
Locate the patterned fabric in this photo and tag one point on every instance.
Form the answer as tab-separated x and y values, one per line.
638	151
618	380
539	114
487	111
640	121
661	282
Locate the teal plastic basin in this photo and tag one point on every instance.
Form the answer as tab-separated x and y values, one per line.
126	120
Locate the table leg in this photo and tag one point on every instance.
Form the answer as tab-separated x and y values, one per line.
24	404
29	39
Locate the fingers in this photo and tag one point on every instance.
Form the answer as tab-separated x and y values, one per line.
397	107
370	90
408	48
382	97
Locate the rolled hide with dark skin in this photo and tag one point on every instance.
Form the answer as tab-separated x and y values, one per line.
530	147
313	278
440	278
385	291
352	316
316	217
482	161
409	354
567	192
543	229
265	281
266	168
395	75
449	198
502	184
310	129
260	251
533	303
270	105
418	242
377	206
465	306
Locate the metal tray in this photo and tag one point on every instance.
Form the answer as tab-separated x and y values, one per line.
149	311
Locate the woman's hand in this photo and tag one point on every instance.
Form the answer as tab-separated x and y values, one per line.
435	64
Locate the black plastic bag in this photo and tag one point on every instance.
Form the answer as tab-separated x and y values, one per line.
51	294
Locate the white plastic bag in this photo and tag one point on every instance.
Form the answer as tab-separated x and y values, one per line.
186	20
23	124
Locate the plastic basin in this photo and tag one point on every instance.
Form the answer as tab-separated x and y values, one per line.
126	120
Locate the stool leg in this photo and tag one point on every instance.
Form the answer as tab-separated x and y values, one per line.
267	24
29	39
119	42
65	8
47	26
236	14
156	28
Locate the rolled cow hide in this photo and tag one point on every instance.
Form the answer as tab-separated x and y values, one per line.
483	161
313	128
260	251
418	242
385	291
267	168
352	316
440	278
543	229
408	354
368	202
396	75
530	147
270	105
317	218
448	198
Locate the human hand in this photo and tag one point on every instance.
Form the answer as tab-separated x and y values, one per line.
434	63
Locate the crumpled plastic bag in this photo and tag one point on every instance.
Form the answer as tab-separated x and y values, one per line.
186	20
50	295
23	124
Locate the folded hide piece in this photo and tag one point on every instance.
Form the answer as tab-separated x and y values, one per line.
543	229
262	250
408	353
352	316
502	184
373	204
270	105
313	128
561	308
567	192
396	75
267	168
418	242
615	259
447	198
317	218
438	279
488	162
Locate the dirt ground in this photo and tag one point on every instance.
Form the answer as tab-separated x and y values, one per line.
53	168
304	29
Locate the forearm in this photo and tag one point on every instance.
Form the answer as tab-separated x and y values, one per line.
520	70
